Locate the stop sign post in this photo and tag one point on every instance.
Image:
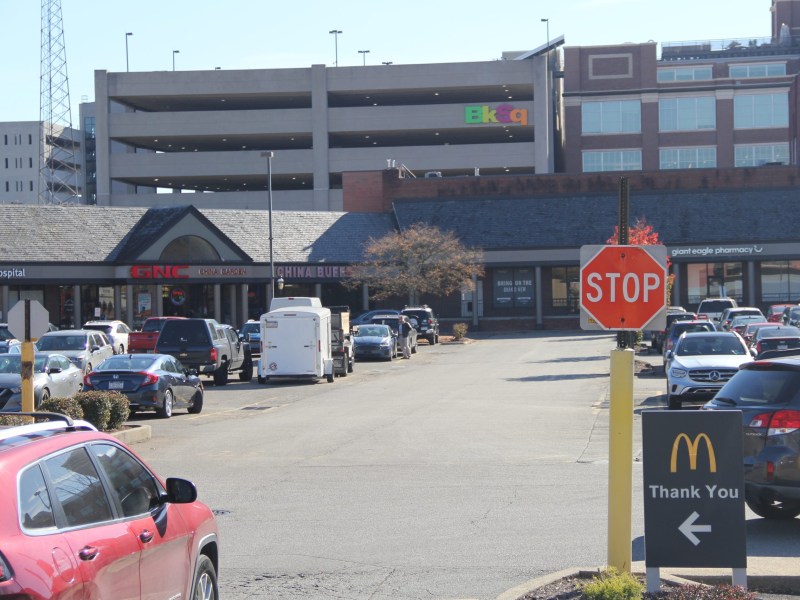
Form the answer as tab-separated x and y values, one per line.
623	288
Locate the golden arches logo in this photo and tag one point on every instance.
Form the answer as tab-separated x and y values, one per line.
691	447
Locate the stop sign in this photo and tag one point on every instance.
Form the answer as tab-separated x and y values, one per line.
623	287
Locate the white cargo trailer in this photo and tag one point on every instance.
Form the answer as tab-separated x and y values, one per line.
292	301
296	343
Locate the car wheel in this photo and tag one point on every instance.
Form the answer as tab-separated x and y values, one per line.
121	349
330	378
431	339
674	402
197	403
773	509
88	369
345	362
246	374
205	580
45	397
165	410
221	375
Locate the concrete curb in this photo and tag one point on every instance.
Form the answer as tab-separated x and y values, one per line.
132	434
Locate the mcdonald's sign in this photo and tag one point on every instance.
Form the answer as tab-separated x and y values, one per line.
693	484
692	447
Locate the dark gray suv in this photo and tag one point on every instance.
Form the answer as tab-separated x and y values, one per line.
424	321
768	394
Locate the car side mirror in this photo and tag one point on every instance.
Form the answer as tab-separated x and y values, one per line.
180	491
95	348
668	354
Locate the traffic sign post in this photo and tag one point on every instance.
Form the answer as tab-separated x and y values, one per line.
693	492
623	288
27	320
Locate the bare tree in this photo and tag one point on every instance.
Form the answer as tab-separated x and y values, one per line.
421	259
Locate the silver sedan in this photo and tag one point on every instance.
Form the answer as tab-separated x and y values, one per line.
54	375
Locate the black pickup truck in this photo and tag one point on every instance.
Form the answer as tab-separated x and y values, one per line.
208	346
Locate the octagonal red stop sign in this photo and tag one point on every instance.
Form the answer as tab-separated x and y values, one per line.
623	287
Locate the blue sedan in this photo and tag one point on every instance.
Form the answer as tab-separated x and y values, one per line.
150	381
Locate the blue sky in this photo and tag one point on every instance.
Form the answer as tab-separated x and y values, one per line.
244	34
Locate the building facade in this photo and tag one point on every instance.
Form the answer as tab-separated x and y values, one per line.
701	104
205	132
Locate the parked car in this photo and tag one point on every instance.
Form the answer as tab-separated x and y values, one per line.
791	316
751	329
251	333
366	317
701	363
54	375
393	321
12	347
85	348
116	331
145	340
766	393
739	323
374	341
730	313
782	337
150	381
424	321
775	312
82	514
657	336
209	347
712	308
678	328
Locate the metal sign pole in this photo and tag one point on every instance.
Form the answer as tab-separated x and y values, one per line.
27	363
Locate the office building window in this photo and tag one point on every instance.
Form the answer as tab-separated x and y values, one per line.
687	158
684	74
749	71
31	182
612	116
687	114
612	160
565	288
756	155
752	111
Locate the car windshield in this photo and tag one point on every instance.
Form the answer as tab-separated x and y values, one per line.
762	386
62	342
12	363
248	328
103	328
689	327
184	332
713	306
710	346
127	363
372	331
153	325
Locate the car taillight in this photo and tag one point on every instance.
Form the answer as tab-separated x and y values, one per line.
758	347
770	470
87	380
702	317
149	378
778	423
212	355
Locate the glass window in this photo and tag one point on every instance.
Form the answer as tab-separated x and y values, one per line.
613	116
35	508
752	111
780	280
684	74
565	288
612	160
513	287
748	71
756	155
687	114
712	280
78	489
687	158
133	485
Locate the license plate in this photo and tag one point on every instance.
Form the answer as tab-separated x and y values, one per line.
116	385
183	354
783	346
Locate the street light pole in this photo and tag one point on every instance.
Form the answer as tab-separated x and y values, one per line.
174	52
269	155
364	54
548	29
336	33
127	35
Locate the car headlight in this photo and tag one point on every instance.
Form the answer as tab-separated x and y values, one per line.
679	373
386	343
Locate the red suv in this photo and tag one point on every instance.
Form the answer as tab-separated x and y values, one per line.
82	516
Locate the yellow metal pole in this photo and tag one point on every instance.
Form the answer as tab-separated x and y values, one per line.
27	376
620	460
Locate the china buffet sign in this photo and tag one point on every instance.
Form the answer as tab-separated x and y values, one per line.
505	113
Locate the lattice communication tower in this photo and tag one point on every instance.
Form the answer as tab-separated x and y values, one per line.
58	150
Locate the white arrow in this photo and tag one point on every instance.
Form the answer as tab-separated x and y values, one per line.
688	528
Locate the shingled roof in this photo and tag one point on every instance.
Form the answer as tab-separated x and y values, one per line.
771	215
97	234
